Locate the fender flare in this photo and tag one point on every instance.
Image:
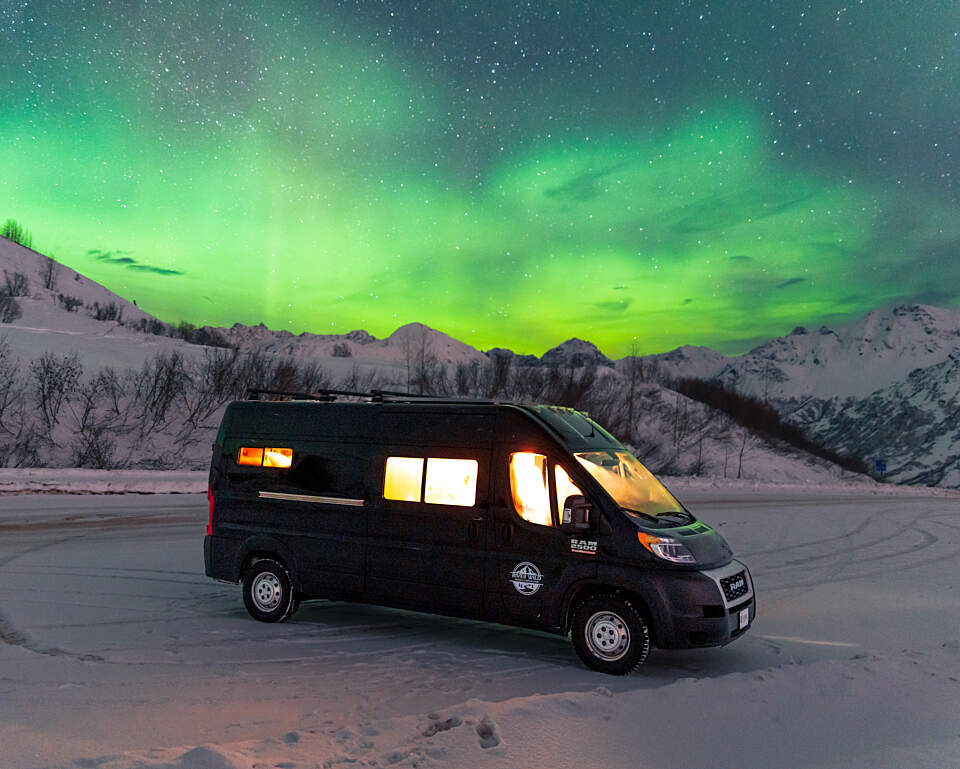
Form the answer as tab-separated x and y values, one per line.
267	546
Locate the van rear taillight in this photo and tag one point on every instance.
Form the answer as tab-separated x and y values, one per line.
210	519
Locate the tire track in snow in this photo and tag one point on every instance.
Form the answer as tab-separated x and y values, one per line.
11	635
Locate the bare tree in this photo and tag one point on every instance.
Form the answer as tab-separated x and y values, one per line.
497	376
634	376
466	378
49	273
743	450
53	380
11	230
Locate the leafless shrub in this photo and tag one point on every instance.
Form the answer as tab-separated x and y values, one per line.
53	379
69	303
466	378
497	376
95	449
9	309
342	350
527	384
569	386
359	381
109	311
11	386
16	284
156	387
213	382
24	449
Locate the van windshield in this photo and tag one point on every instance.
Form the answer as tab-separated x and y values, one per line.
631	485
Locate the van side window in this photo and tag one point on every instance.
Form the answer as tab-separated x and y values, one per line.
565	487
528	485
447	481
403	478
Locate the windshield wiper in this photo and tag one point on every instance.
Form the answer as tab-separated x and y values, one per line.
640	513
682	515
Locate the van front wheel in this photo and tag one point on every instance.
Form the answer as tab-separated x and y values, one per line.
610	635
267	593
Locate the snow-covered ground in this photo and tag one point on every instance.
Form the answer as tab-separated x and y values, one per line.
116	652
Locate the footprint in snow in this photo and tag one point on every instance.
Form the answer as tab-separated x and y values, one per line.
487	732
437	725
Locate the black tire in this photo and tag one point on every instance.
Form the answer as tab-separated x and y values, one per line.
610	635
266	591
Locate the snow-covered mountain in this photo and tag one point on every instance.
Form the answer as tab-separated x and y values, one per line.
883	387
404	344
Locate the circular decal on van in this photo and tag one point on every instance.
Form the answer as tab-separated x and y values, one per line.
526	578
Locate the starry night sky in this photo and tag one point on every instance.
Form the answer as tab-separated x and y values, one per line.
640	174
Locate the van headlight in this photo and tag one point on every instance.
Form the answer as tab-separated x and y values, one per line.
666	548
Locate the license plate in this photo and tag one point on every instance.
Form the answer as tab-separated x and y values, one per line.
744	618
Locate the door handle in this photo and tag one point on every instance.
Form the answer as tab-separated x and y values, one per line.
506	532
473	529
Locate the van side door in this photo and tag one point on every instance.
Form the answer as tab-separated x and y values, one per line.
537	561
426	530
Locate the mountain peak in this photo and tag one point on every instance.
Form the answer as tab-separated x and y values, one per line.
575	352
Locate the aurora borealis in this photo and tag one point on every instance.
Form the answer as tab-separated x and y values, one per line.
510	173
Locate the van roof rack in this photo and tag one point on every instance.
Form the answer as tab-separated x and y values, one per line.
375	395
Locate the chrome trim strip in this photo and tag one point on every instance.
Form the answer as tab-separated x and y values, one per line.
311	498
728	571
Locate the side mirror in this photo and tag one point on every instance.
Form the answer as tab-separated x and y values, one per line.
576	513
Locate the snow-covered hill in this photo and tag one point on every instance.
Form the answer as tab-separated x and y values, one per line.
884	387
56	313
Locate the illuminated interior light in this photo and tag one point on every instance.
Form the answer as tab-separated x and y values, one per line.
451	482
402	478
528	484
565	487
249	456
277	457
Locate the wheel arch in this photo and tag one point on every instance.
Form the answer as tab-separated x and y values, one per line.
583	591
258	548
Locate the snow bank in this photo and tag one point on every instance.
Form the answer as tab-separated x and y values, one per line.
79	481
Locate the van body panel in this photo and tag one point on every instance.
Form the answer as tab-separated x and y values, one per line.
326	517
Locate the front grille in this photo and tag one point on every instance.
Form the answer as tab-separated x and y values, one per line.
735	586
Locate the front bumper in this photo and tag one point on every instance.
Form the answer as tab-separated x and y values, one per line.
701	612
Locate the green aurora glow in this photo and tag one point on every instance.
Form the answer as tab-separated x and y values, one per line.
323	179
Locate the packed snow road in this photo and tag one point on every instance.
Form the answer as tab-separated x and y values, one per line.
116	652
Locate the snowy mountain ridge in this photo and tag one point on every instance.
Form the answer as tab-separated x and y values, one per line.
884	387
822	381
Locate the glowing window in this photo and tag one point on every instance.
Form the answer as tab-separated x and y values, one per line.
528	484
277	457
265	457
451	482
565	487
403	478
250	456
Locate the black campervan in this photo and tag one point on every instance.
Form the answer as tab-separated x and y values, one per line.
519	514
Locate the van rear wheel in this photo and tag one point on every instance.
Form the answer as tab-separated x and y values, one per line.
267	593
610	635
